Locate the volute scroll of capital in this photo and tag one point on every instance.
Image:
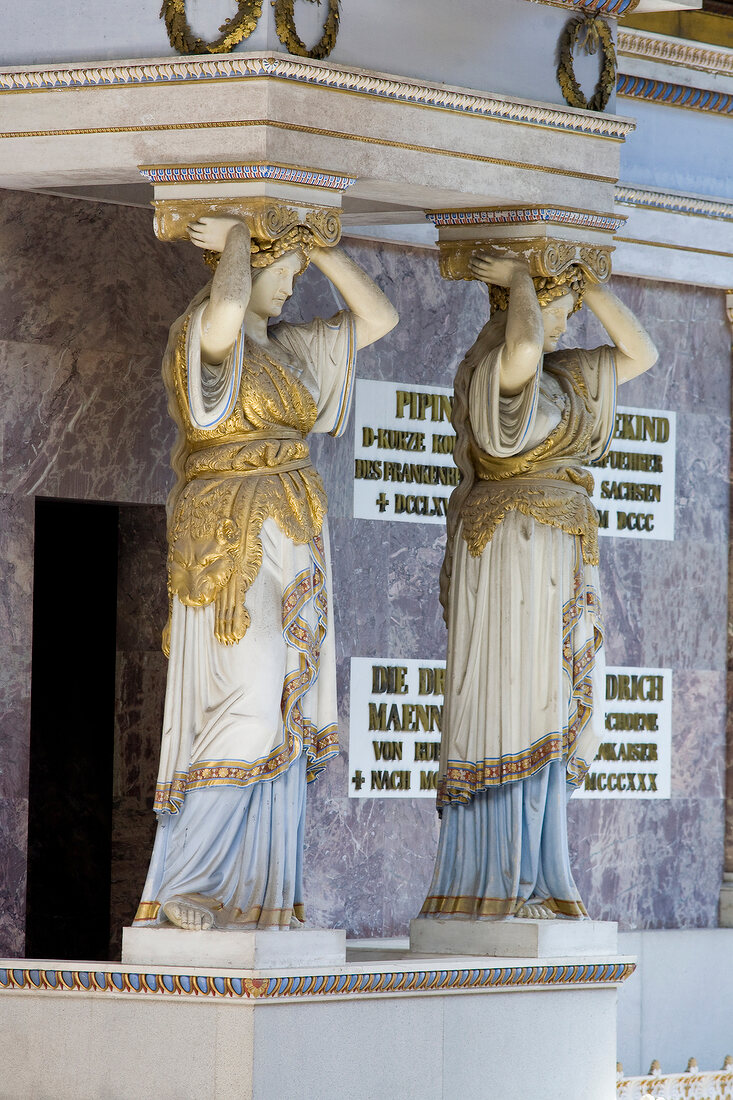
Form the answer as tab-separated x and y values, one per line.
268	219
548	258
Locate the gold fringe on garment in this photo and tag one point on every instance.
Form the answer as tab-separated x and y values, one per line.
147	910
254	465
478	908
552	500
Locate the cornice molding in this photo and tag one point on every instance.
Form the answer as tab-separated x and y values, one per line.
675	51
526	215
667	94
613	8
674	203
238	67
226	173
247	987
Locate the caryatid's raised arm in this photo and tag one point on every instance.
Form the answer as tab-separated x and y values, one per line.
228	306
373	313
635	350
526	332
524	339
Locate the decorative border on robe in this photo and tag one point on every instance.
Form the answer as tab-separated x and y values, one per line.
463	779
437	905
347	388
320	744
224	407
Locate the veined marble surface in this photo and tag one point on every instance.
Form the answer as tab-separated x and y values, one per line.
86	297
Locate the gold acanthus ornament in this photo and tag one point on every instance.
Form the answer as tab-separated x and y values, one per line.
241	26
276	227
551	260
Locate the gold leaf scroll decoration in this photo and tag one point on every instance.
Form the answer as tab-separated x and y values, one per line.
326	226
233	30
589	33
288	35
267	219
547	257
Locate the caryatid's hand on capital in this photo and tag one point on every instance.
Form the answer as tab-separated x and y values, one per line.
497	268
212	232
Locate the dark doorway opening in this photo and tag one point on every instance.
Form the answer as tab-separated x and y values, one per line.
72	730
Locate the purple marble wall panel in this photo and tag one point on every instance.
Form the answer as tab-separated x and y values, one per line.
86	298
728	845
87	276
657	864
649	864
13	857
16	600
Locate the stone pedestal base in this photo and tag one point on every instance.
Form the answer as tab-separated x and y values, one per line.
234	949
532	939
385	1024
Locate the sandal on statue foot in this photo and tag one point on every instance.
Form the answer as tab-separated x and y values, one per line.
535	909
192	912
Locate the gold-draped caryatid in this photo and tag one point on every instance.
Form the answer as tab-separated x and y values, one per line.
255	464
525	677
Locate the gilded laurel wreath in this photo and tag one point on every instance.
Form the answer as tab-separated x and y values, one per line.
589	33
288	35
232	30
241	25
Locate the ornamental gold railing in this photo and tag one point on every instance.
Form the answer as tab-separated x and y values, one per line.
690	1085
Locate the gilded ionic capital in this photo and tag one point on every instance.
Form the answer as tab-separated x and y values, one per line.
279	202
551	239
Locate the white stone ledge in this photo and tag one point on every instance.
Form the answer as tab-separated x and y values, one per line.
400	973
394	1028
674	53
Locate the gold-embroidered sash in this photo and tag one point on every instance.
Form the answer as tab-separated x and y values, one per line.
551	500
253	466
547	482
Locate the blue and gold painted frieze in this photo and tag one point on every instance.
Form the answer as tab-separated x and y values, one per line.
354	81
526	215
668	94
218	173
248	986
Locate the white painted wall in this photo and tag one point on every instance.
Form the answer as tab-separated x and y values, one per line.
679	1002
678	150
506	46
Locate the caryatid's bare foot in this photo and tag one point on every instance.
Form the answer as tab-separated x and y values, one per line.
535	909
193	912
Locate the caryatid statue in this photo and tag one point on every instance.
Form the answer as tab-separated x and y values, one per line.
523	711
250	708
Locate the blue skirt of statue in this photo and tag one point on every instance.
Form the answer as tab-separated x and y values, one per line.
244	725
243	848
507	845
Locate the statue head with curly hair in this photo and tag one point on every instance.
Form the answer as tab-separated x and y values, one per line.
299	239
548	289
